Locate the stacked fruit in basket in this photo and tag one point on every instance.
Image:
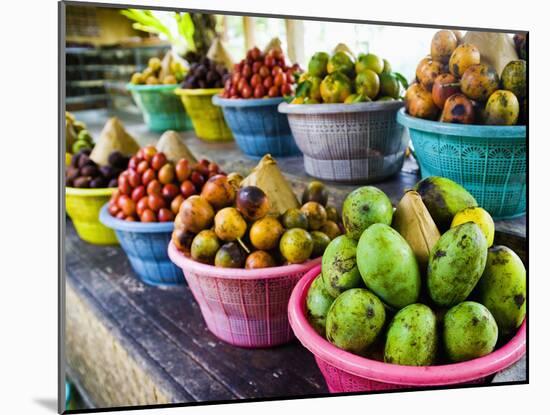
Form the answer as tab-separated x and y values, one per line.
394	288
83	172
261	75
232	225
153	188
205	74
341	78
77	135
167	71
454	85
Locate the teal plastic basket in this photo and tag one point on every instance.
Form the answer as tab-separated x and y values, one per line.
489	161
162	109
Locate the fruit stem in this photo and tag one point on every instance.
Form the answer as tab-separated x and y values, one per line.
243	245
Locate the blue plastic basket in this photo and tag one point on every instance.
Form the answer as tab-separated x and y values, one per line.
162	109
146	245
258	127
489	161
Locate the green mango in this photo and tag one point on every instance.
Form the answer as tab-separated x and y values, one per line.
412	337
469	331
387	66
341	62
388	266
369	61
502	288
363	207
389	85
339	265
367	83
318	302
444	199
456	263
354	320
317	65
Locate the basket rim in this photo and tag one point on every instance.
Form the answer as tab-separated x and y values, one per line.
197	91
189	265
462	130
88	192
348	362
140	88
374	106
242	102
137	227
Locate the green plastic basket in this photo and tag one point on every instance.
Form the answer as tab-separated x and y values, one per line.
162	109
489	161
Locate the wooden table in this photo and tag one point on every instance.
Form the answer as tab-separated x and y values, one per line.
132	344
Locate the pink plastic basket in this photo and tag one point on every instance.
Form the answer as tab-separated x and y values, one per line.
346	372
243	307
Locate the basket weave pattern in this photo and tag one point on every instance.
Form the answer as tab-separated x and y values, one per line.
248	313
162	110
493	171
148	256
363	146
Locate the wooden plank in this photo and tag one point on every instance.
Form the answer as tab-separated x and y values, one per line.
167	326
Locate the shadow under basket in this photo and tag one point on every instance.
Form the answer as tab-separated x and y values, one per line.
145	245
346	372
162	109
487	160
354	143
258	127
243	307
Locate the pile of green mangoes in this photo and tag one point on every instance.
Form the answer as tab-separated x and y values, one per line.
454	85
341	78
376	296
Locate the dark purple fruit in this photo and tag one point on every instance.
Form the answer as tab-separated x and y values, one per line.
107	171
252	202
82	182
230	255
89	170
116	159
84	160
113	183
71	173
98	183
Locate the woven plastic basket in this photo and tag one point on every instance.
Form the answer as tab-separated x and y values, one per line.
83	206
207	119
146	246
489	161
346	372
243	307
357	143
161	108
258	127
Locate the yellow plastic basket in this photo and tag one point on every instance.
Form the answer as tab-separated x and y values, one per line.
207	119
83	206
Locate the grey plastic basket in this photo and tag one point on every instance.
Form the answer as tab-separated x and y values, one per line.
359	143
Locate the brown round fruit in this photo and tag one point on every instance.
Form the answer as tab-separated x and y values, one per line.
426	72
252	202
259	259
462	58
187	189
230	255
332	214
320	242
294	218
316	215
183	240
167	173
176	204
315	192
154	188
138	193
444	86
331	229
156	202
443	45
218	192
170	191
458	109
166	215
419	102
478	82
265	233
183	170
158	160
148	216
196	214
